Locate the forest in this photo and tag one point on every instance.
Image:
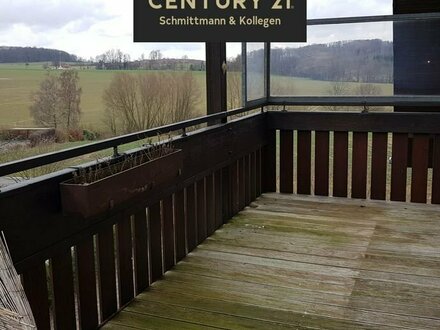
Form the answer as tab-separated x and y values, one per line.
365	61
33	54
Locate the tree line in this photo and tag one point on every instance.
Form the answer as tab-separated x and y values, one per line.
364	61
112	59
33	54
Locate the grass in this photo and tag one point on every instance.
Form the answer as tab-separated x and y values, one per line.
294	86
18	82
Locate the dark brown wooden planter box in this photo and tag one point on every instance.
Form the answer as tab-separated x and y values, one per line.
91	199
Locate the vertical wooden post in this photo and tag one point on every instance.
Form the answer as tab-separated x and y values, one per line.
268	164
215	78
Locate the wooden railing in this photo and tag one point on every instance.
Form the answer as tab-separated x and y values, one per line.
382	156
79	272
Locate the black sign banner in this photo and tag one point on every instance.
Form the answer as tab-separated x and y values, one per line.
220	20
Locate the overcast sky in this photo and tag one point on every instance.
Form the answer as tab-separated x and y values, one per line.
90	27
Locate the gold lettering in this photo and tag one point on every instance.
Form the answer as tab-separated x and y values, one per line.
277	5
239	3
170	4
222	6
153	5
190	3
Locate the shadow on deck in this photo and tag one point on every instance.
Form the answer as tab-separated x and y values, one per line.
304	262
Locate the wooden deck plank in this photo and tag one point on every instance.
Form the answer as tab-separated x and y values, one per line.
371	300
246	310
128	320
200	316
304	263
268	297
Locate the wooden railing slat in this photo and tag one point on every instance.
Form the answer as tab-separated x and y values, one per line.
210	205
253	175
258	181
107	272
340	164
87	284
304	162
191	217
218	199
379	166
359	165
179	217
125	260
62	277
226	194
141	250
322	154
235	196
286	161
420	163
35	287
247	179
399	167
241	184
201	211
168	233
268	163
155	222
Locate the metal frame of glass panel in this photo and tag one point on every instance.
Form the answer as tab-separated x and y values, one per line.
397	100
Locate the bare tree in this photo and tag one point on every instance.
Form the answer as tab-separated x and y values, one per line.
155	54
57	102
45	107
69	98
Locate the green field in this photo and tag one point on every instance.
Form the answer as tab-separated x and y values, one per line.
18	82
288	86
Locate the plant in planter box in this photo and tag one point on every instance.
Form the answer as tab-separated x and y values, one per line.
97	189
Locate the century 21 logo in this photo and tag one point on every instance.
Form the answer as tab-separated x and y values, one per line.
221	4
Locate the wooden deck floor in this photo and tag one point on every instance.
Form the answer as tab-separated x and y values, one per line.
304	262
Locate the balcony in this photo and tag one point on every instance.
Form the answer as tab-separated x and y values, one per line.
277	219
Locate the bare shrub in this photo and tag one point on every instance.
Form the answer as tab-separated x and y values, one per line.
338	88
41	137
367	89
184	94
137	102
234	98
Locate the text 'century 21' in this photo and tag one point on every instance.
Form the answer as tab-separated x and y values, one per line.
220	4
